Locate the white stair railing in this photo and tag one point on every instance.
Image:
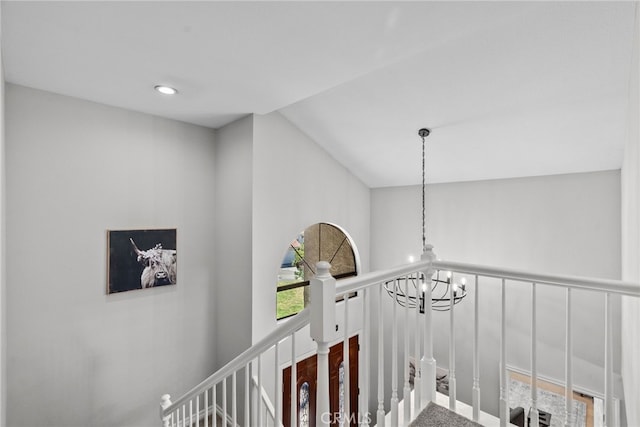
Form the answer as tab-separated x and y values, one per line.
322	312
410	334
512	278
200	403
389	397
268	409
387	336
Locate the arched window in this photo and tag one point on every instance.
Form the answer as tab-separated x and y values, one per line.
320	242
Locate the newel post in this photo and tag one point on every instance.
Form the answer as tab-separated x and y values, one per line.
323	324
165	402
428	363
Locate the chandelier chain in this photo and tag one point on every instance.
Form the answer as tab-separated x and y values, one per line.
423	133
424	190
443	291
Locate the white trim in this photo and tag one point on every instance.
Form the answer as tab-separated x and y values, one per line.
265	398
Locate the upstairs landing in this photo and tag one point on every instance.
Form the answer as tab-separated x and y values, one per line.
435	415
462	409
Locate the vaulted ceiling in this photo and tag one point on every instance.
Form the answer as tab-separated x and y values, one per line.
509	88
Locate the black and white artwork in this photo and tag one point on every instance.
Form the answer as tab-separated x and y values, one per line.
140	259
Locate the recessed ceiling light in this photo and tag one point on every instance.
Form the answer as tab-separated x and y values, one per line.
166	90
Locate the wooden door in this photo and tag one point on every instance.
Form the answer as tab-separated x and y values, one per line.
306	371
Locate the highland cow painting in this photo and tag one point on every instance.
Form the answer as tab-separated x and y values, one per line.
141	259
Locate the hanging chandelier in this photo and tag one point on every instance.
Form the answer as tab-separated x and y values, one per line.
441	291
444	292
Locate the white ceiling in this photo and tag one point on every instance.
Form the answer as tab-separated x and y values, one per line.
509	88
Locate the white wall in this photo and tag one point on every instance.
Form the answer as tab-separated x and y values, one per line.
296	184
566	224
3	272
233	192
76	356
631	239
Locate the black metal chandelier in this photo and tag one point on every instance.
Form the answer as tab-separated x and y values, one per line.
441	290
411	291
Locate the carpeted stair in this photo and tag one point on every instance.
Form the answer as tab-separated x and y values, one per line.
437	416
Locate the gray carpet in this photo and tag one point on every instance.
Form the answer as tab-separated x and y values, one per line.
437	416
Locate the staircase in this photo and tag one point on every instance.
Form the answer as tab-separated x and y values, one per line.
391	335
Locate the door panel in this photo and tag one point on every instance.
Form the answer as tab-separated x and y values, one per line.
306	371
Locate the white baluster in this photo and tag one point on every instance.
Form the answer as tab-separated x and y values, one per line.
197	409
259	392
294	383
452	347
224	401
504	399
206	407
534	365
184	415
165	402
214	406
278	379
609	410
322	384
365	359
476	353
568	414
394	358
406	392
380	413
428	363
190	412
247	390
265	412
346	366
323	303
417	380
234	404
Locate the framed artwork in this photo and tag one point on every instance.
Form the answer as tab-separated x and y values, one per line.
139	259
